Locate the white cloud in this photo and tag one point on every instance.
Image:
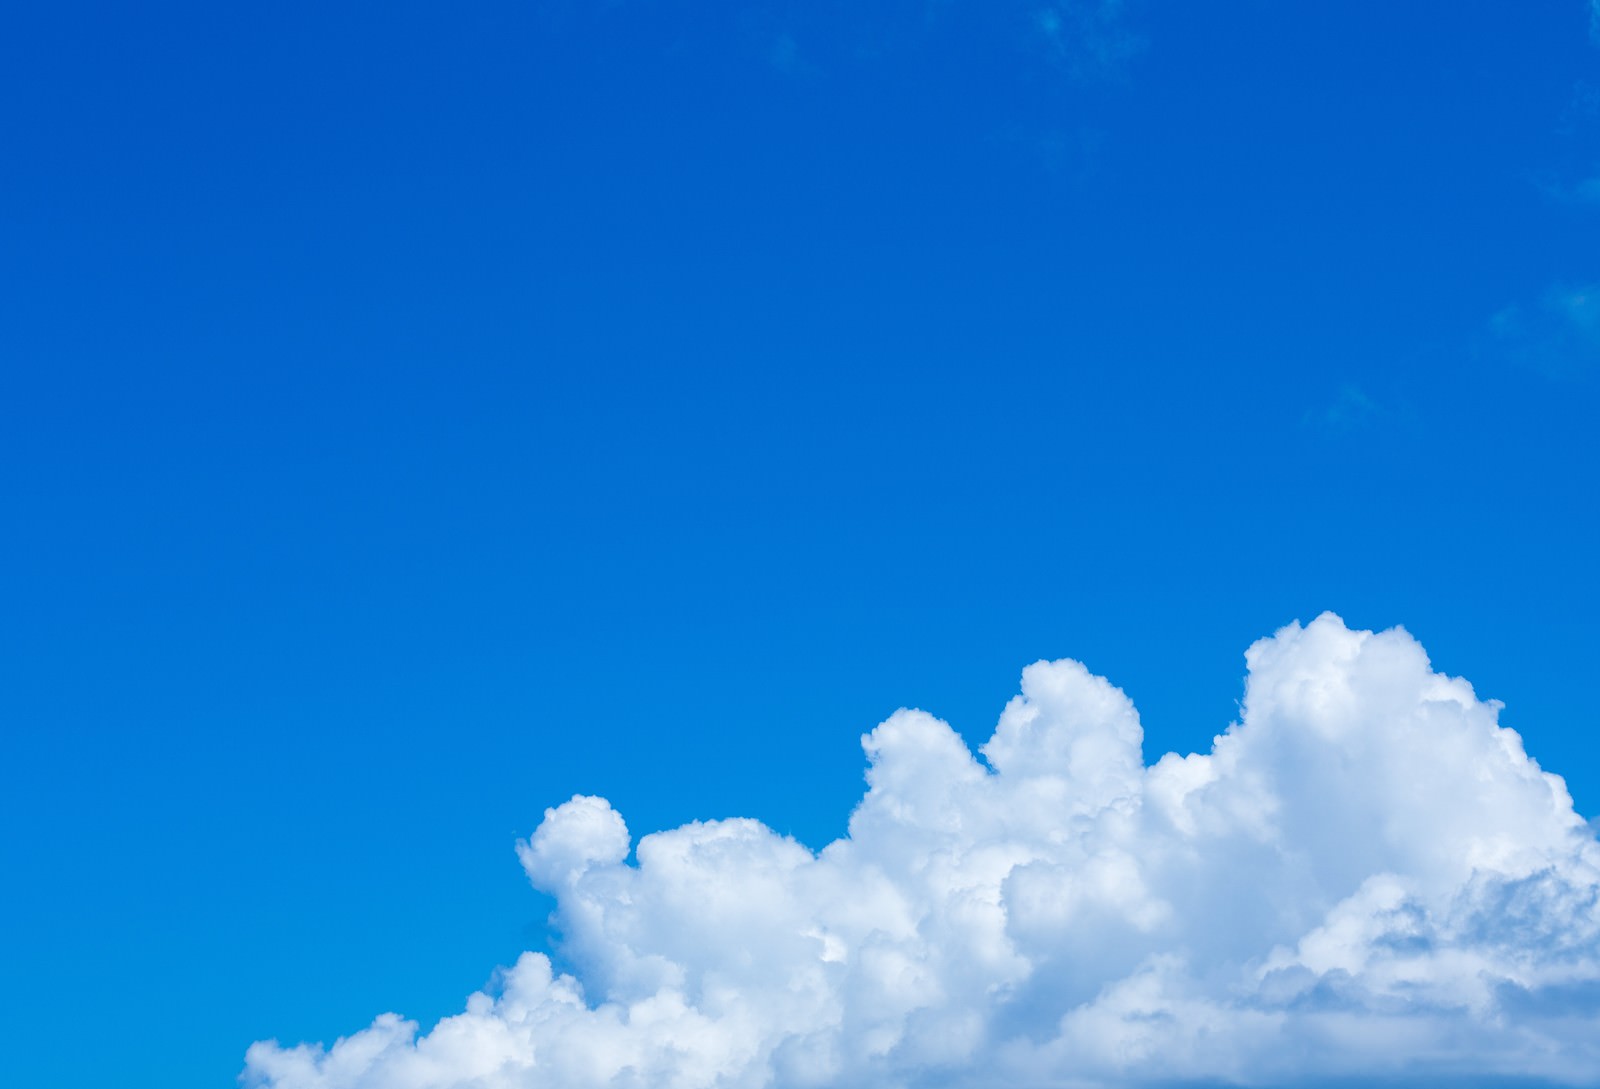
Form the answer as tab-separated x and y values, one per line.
1365	877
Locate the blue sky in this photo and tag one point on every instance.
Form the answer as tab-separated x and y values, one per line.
412	417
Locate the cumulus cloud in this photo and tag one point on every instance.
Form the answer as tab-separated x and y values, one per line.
1365	877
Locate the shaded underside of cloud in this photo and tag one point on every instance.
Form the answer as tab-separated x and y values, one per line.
1365	878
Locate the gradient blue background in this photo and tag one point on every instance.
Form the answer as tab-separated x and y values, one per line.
411	415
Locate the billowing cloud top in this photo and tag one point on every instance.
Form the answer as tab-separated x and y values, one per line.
1365	877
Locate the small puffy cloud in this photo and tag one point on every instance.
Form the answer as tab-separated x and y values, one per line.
1365	878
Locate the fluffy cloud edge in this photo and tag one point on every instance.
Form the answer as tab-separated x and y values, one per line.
1366	877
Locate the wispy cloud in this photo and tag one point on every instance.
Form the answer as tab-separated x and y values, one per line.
1351	409
1558	337
1092	37
1365	876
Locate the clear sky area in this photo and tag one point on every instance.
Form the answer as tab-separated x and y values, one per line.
412	416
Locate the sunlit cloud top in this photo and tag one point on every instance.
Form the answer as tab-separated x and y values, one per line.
1365	876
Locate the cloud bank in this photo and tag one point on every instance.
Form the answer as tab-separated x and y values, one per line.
1366	877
